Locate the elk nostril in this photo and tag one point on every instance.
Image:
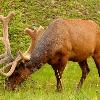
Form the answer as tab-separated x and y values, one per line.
9	87
8	83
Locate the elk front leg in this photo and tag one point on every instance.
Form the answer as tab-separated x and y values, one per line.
58	74
58	78
58	69
85	70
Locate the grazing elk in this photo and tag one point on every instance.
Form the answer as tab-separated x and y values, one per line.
63	40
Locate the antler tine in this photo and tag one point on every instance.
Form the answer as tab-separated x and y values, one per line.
5	22
24	56
34	33
30	32
10	16
6	57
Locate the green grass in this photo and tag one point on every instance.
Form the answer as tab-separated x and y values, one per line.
42	84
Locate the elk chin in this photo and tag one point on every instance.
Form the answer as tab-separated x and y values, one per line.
11	84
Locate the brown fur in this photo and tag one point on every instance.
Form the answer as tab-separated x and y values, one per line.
62	41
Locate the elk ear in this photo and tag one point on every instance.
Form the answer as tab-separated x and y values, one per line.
24	57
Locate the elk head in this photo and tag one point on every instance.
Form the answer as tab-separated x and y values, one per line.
15	69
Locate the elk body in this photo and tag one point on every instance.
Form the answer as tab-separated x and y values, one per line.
63	41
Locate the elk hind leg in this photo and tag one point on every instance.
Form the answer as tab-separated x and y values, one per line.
96	58
85	70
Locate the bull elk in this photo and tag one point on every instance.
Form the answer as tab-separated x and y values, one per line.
63	40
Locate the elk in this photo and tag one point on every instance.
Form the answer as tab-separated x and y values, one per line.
64	40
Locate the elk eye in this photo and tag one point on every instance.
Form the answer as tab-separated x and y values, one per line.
16	73
21	63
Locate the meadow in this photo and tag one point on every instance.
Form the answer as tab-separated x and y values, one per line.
41	85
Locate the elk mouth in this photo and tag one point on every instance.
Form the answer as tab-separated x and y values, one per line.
9	86
12	84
